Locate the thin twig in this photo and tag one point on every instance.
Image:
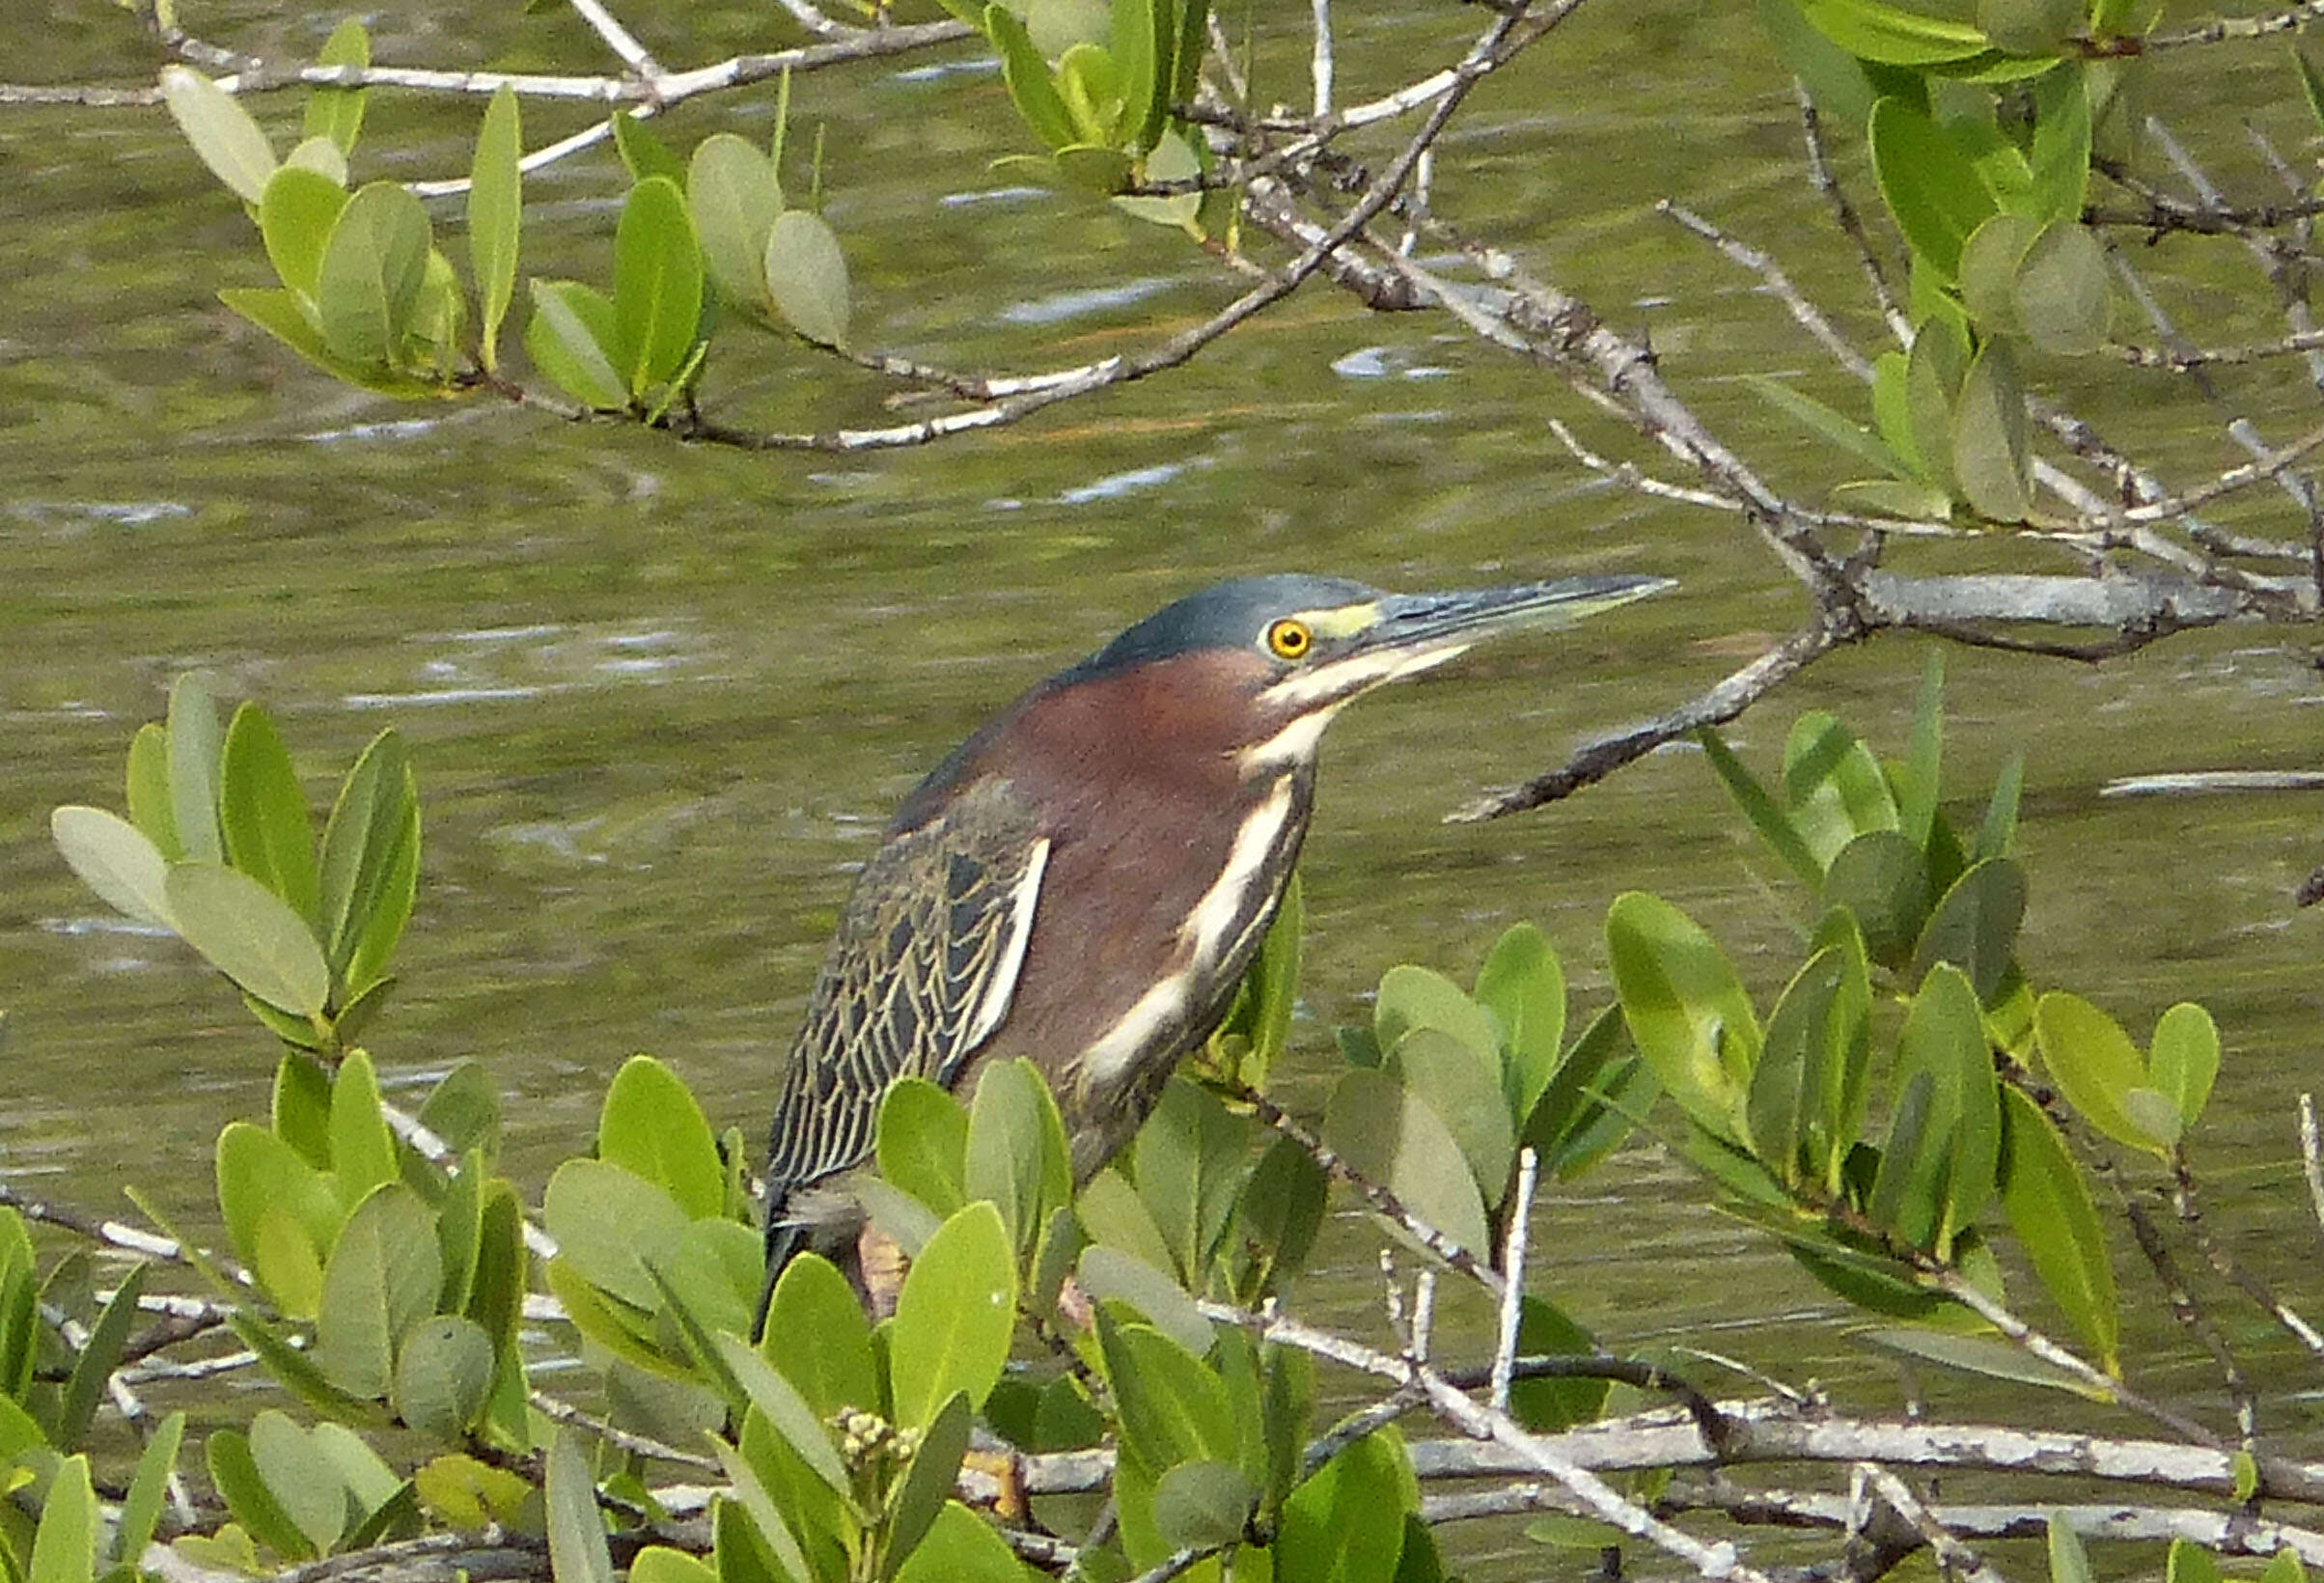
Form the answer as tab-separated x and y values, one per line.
1513	1274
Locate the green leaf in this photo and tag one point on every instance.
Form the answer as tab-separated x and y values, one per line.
1110	1275
64	1548
2284	1568
1773	824
2061	291
196	744
495	218
922	1142
609	1224
337	113
1987	1355
1413	997
297	1374
1990	270
496	1291
785	1412
1172	1407
262	1181
247	932
148	789
371	274
1833	77
285	315
806	276
1345	1522
660	1564
296	214
2059	157
958	1547
247	1496
1091	86
2069	1563
1186	55
264	814
657	284
1821	421
1917	796
460	1230
362	1470
2190	1563
382	1279
1999	830
2048	1206
1882	879
1892	412
1931	189
1465	1093
463	1109
1932	383
1816	1036
816	1334
318	156
1834	789
371	862
780	1545
1027	76
1944	1035
1204	1505
2312	83
571	339
896	1214
2184	1059
1891	497
1192	1160
1017	1157
98	1356
1890	34
577	1549
735	196
651	1126
954	1317
443	1375
1975	926
1522	984
1991	454
1141	42
2031	27
2095	1064
1685	1008
1113	1215
221	131
1592	1104
644	155
302	1480
915	1500
1388	1134
116	860
148	1487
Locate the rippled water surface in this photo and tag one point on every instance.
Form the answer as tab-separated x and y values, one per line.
662	699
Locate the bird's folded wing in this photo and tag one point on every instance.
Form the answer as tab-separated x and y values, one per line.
918	978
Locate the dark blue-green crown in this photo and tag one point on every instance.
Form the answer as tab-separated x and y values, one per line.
1227	615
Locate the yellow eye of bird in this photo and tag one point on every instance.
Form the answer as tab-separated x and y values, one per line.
1289	639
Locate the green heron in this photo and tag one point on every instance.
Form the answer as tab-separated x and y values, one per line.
1086	879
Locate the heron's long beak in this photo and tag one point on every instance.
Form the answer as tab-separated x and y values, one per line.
1364	646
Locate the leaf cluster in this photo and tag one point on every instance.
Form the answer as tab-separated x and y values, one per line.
1877	1121
1981	134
